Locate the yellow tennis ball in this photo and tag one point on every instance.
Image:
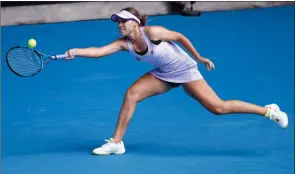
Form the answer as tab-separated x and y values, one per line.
32	43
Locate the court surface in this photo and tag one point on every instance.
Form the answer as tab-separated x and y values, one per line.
50	123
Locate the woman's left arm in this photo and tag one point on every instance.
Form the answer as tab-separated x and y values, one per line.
161	33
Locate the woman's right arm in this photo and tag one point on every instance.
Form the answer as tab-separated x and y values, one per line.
97	52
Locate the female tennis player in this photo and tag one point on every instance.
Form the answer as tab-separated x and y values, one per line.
173	67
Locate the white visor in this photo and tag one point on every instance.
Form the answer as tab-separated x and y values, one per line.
124	15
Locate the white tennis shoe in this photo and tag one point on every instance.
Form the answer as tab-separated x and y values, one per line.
110	148
275	114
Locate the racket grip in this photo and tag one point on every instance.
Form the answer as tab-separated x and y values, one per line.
61	56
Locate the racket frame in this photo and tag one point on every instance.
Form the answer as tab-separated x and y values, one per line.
39	54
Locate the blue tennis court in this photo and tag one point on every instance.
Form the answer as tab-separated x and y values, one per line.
51	122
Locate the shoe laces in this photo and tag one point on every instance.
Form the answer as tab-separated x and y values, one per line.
274	114
108	143
272	111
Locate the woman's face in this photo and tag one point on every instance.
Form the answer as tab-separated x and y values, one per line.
126	26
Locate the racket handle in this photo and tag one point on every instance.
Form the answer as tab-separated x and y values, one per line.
60	56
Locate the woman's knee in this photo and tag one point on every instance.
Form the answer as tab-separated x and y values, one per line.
132	95
218	108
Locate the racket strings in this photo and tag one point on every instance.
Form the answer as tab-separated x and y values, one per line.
24	61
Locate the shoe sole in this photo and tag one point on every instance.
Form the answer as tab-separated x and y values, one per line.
285	126
104	154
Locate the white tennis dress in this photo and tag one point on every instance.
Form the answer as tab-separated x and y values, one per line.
170	62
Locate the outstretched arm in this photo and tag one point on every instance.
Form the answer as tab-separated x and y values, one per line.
161	33
97	52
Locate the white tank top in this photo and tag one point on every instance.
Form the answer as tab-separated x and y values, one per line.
168	59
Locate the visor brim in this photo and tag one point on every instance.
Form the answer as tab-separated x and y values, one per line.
115	17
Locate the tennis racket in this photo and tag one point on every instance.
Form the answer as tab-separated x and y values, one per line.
27	62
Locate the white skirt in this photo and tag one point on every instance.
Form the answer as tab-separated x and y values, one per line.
183	76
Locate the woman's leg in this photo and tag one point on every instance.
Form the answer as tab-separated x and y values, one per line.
144	87
202	92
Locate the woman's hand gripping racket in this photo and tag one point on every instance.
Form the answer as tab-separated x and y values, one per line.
27	62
